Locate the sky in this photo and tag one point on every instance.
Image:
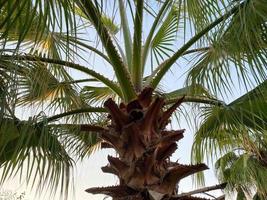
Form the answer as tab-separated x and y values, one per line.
88	172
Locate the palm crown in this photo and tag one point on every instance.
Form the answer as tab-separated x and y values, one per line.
44	42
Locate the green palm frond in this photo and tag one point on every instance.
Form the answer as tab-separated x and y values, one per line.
157	21
19	19
202	13
162	43
121	71
192	90
13	61
211	71
78	142
29	143
36	83
39	85
241	44
57	45
40	38
12	21
108	22
243	173
45	150
162	69
92	94
240	124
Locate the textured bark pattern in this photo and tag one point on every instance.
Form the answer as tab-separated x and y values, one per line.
138	134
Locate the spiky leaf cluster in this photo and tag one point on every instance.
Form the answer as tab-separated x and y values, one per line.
138	134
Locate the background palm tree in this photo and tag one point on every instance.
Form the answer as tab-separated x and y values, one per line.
223	43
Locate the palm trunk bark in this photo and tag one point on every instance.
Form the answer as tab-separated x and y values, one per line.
138	134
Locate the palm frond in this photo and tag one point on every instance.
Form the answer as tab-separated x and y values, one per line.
20	19
161	70
202	13
238	124
162	43
21	59
29	143
78	141
93	13
93	94
126	33
38	84
243	173
162	12
192	90
241	45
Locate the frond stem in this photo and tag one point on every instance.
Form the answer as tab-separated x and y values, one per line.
94	50
81	68
193	99
137	46
196	50
126	34
118	65
161	70
77	111
202	190
152	30
79	81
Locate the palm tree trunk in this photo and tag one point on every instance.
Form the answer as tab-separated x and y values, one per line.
138	134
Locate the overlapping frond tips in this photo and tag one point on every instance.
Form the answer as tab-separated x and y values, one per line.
109	22
43	153
39	83
163	41
237	51
243	172
191	90
80	140
202	13
20	19
93	94
27	143
240	124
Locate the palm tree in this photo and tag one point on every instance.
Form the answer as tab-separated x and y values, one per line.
44	42
242	148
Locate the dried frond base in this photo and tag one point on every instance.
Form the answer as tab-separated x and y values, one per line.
137	132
